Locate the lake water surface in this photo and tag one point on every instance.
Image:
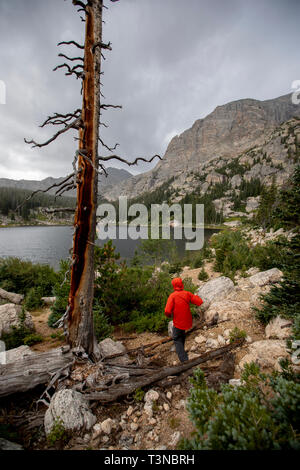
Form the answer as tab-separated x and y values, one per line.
48	245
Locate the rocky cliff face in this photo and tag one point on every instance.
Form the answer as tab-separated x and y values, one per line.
227	132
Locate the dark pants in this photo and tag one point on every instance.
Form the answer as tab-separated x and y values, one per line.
179	340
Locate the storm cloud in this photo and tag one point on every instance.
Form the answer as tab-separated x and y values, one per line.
172	62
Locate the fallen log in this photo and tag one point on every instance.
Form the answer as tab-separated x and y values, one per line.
165	339
11	297
122	389
33	370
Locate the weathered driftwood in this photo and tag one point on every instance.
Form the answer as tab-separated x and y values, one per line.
11	297
119	390
33	370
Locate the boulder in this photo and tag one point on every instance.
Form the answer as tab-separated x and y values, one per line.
11	297
215	290
10	316
265	353
72	409
278	328
227	310
48	300
265	277
108	347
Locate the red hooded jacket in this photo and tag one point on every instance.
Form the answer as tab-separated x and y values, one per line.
178	304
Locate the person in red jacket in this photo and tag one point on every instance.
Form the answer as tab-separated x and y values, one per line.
178	305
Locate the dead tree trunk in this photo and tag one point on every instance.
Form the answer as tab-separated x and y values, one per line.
80	317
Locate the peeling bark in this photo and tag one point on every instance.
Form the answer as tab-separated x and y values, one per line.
80	319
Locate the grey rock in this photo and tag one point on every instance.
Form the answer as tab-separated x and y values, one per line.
108	347
235	382
11	297
278	328
265	277
72	409
48	300
215	290
10	316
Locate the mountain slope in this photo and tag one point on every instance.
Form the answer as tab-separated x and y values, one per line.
115	177
225	133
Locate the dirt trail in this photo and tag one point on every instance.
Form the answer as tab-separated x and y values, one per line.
52	336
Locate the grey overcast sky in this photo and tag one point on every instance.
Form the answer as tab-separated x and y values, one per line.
173	62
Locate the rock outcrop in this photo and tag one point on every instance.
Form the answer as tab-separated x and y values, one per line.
278	328
266	353
229	131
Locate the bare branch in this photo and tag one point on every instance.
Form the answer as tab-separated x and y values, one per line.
77	3
65	118
71	42
106	106
73	125
44	190
71	70
102	45
110	149
70	58
120	159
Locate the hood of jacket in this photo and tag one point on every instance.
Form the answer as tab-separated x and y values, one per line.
177	283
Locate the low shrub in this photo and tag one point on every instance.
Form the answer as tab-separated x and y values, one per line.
232	252
139	395
102	328
33	299
21	276
261	414
237	334
32	339
202	276
58	434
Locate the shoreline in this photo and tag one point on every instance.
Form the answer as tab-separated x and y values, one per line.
208	226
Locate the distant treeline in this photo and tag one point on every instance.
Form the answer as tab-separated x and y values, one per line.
11	198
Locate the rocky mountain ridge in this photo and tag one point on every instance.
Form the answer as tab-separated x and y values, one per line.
226	133
115	177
